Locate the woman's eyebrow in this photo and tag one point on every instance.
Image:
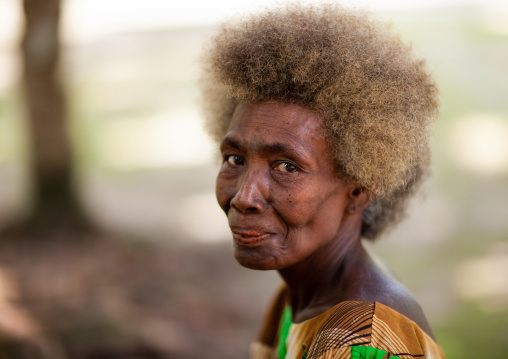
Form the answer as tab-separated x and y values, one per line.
277	147
230	143
283	148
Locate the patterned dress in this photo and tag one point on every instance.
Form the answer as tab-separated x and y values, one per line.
351	329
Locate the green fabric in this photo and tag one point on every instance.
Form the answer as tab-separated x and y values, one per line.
304	356
285	323
369	353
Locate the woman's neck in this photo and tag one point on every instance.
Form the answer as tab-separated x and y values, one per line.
321	281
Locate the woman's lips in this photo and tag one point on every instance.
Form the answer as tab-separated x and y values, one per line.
248	238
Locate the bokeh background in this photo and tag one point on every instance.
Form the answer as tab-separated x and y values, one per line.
141	267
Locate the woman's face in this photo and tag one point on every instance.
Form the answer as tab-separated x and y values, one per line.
278	187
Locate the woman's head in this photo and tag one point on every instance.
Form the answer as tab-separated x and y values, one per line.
376	99
278	185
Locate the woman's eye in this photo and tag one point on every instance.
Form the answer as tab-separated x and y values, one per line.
234	160
286	167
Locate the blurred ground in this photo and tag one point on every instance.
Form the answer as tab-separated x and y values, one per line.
163	284
99	297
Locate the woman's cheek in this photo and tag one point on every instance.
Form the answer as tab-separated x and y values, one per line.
221	194
289	210
224	193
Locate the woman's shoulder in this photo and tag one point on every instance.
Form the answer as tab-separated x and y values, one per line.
382	288
362	328
351	329
353	326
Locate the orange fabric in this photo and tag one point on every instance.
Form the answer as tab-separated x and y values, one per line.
351	323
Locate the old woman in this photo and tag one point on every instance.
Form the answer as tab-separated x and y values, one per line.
323	118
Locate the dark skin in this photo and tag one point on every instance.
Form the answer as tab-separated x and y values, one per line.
289	211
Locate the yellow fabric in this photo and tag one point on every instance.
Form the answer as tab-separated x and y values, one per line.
351	323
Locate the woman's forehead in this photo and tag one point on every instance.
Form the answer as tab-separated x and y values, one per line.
275	116
277	127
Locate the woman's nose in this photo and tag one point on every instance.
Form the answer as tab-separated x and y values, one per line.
250	197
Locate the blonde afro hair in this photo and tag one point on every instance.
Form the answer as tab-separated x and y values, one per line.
377	98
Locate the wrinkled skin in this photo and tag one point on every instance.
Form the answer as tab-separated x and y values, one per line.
289	211
278	186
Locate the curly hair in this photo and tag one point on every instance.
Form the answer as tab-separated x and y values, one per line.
377	99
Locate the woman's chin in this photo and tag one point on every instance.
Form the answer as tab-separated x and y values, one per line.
254	259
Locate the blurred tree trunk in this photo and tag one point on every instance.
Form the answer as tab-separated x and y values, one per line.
54	202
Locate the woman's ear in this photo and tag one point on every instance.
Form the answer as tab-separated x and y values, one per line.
359	199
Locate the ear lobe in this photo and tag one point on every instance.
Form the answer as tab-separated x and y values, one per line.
359	199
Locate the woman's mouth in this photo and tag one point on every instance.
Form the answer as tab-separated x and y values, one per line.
248	238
